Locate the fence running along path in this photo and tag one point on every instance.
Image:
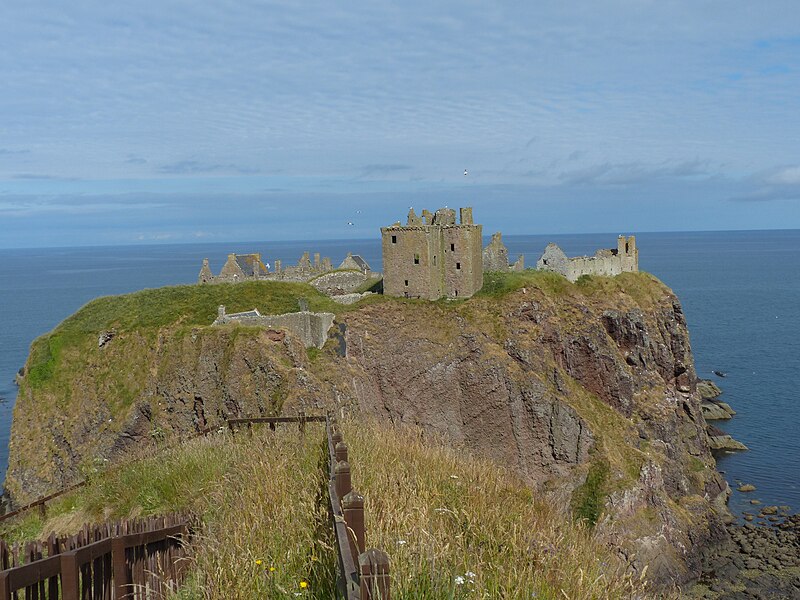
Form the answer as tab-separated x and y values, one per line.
134	559
363	574
40	503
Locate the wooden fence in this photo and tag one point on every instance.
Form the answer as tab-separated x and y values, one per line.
134	559
363	574
142	559
42	502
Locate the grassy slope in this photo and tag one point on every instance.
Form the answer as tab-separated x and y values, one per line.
439	514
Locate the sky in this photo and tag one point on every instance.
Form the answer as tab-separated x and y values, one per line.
172	121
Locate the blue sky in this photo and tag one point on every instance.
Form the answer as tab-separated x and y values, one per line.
186	121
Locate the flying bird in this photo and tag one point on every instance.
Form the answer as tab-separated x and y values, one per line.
465	172
349	222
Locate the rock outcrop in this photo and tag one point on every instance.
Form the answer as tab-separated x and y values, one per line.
587	390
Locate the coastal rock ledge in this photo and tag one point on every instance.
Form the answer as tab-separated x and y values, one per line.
588	390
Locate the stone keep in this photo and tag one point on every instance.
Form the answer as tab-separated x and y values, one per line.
432	256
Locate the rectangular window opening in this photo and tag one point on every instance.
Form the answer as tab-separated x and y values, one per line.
452	247
434	260
416	259
394	239
406	282
458	266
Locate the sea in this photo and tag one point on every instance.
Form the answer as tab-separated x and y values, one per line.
740	292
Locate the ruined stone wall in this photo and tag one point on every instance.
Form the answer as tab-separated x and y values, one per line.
341	282
606	262
311	328
495	256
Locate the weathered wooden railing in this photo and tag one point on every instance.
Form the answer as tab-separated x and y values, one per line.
41	503
136	560
363	574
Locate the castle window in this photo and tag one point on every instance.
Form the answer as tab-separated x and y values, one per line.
416	259
406	282
458	266
452	247
394	239
434	260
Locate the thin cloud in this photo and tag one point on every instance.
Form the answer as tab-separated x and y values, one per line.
195	167
635	172
383	169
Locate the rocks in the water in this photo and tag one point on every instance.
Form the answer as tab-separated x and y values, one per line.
708	389
755	501
716	411
725	442
757	561
747	487
769	510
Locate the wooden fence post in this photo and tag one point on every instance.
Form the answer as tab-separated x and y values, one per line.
5	589
374	567
119	566
70	576
341	452
301	424
353	512
342	474
336	437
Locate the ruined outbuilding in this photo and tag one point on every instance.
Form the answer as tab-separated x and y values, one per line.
609	262
250	267
495	256
312	328
432	256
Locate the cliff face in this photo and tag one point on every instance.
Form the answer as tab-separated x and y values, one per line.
588	390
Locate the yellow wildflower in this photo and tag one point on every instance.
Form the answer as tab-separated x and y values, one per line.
259	561
303	585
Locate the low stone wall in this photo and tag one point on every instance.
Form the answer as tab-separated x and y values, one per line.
311	328
339	282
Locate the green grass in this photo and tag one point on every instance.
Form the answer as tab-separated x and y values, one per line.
189	305
453	525
588	499
259	500
456	526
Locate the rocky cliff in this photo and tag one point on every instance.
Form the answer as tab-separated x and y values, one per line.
586	389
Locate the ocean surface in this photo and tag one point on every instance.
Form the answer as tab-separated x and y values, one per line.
740	292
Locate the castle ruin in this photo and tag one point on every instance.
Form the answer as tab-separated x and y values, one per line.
432	256
495	256
250	267
609	262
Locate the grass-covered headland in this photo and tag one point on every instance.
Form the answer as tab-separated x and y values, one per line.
453	525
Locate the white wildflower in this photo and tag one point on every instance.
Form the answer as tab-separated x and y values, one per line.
459	580
453	476
401	542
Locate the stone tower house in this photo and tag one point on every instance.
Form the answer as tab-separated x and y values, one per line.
432	256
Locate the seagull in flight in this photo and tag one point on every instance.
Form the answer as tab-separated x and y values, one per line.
465	172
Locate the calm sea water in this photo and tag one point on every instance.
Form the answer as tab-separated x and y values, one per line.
739	291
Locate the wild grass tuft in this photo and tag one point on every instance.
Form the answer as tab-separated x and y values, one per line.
460	527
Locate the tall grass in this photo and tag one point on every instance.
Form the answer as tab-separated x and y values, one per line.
460	527
264	526
454	526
